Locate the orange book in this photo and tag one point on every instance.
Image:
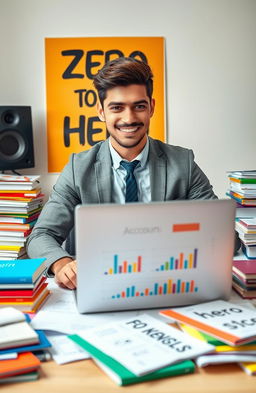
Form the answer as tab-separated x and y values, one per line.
24	363
25	300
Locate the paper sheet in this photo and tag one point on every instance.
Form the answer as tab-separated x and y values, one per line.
59	313
64	350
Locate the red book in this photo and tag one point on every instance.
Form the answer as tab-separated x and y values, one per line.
20	299
245	268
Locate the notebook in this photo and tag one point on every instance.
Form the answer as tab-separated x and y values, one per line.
159	254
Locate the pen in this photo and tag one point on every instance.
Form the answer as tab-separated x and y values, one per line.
43	356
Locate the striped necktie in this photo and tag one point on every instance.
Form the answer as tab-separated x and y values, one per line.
131	185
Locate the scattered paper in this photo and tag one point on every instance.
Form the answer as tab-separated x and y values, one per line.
64	350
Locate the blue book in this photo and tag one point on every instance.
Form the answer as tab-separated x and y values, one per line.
21	270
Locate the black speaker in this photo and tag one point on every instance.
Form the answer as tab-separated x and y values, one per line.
16	138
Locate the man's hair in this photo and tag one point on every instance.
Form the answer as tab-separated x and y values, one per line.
123	71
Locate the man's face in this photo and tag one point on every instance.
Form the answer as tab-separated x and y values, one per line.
127	111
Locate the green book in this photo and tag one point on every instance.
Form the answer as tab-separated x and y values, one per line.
121	375
33	376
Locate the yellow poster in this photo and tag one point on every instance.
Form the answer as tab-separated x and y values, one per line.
71	63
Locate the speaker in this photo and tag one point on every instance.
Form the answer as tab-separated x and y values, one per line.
16	138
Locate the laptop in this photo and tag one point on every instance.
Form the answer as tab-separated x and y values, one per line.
159	254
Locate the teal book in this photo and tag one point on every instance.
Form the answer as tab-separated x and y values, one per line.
121	375
21	270
33	376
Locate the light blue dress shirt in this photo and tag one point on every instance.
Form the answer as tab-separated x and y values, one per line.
141	174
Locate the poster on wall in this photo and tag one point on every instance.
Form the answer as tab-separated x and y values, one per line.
71	63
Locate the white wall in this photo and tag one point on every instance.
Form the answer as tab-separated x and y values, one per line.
211	68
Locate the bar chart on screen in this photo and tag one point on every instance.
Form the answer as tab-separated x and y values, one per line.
166	288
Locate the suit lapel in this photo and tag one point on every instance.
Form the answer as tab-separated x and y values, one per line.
103	172
158	172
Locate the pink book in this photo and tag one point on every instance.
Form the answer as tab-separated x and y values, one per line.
245	268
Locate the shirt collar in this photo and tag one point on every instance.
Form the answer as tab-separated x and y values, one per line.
142	157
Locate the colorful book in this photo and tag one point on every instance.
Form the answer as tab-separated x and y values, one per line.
249	223
28	306
244	293
18	178
220	346
24	299
22	193
121	375
228	322
21	270
245	268
25	293
42	344
244	174
246	284
33	376
25	363
15	226
249	251
17	334
249	368
22	285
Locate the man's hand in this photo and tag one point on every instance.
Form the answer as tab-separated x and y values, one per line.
65	272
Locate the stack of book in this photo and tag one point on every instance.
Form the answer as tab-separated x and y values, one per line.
244	277
19	343
21	202
246	228
23	284
227	326
242	188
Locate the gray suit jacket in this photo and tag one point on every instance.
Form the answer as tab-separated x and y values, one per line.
87	179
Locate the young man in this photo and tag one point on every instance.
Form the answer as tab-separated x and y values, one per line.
160	172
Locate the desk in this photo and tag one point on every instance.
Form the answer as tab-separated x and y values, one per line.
86	377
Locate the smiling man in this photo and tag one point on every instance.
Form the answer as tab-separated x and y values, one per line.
128	167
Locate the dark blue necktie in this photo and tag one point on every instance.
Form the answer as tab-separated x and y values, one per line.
131	185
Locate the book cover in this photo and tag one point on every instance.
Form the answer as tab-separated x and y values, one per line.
245	268
19	225
42	344
18	178
21	270
26	299
144	344
249	223
23	285
245	293
10	315
25	362
22	193
121	375
249	251
231	323
17	334
249	368
246	284
200	335
25	293
33	376
203	361
28	307
220	346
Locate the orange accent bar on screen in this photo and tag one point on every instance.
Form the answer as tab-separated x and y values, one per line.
187	227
